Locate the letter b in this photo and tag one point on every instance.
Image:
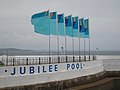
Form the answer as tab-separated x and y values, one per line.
32	70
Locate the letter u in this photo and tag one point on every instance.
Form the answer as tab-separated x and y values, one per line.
22	71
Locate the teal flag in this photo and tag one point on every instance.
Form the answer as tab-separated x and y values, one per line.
75	26
53	23
81	28
41	22
61	27
68	26
86	25
39	30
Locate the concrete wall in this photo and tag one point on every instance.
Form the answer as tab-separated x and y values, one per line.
65	76
112	84
64	71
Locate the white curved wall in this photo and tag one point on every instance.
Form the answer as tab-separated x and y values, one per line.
34	74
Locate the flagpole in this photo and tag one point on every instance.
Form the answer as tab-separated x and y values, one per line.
65	45
79	47
79	40
89	49
65	41
73	45
84	49
89	40
58	47
73	41
57	40
49	42
49	48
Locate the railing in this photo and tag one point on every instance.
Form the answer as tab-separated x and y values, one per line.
14	61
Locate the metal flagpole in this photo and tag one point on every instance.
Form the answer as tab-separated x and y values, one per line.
89	39
49	41
79	41
84	49
73	45
79	51
65	41
49	48
57	39
65	45
73	42
79	47
89	49
58	48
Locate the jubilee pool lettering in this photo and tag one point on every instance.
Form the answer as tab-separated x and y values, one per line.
43	68
73	66
34	69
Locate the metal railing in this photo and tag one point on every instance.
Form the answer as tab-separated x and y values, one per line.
14	61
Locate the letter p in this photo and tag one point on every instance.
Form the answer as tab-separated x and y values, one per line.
68	66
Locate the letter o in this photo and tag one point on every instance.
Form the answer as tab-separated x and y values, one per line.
73	66
77	65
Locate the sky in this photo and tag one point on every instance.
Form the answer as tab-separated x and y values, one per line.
16	30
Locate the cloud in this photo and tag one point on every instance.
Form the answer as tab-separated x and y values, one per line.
16	29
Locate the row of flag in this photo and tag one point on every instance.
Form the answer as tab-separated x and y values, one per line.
51	23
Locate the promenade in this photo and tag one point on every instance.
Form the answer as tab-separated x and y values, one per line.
57	76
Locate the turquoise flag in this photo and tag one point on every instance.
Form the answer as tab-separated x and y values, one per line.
53	23
41	22
61	27
39	30
86	25
68	26
81	28
75	26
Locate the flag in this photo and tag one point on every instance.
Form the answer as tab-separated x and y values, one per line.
41	22
81	28
61	26
86	25
42	14
53	23
75	26
39	30
68	26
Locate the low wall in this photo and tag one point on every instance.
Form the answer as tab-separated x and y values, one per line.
60	85
81	83
56	76
37	74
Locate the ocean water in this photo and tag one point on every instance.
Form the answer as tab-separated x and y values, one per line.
14	52
44	59
110	57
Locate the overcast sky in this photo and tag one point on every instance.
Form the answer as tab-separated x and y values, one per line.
16	30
